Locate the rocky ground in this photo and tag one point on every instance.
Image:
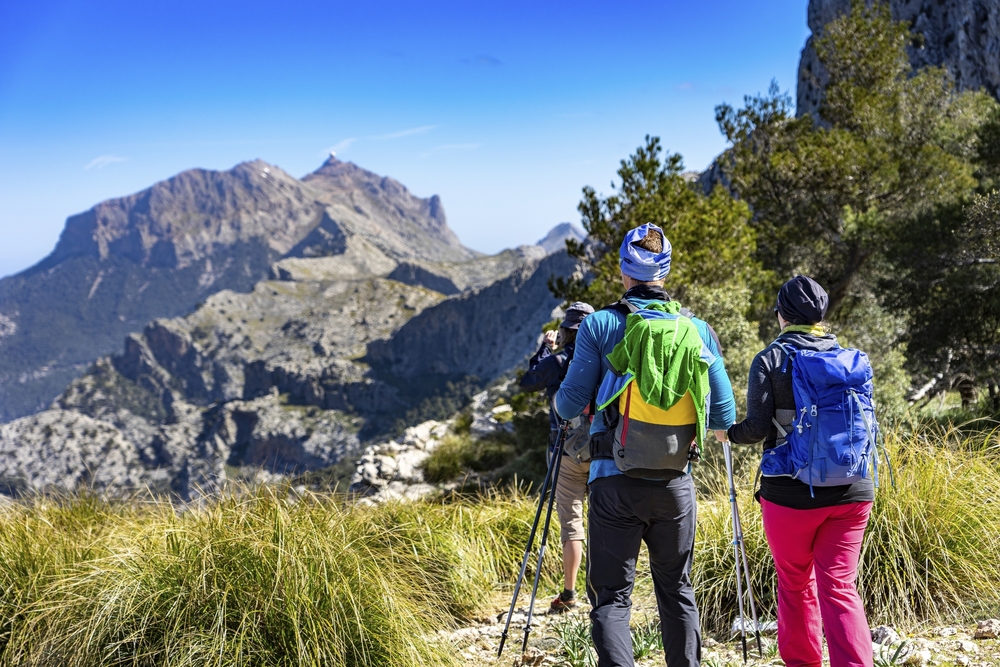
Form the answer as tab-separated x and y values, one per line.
563	639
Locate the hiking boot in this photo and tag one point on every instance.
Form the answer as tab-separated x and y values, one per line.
560	605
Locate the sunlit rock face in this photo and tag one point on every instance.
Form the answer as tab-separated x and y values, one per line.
961	35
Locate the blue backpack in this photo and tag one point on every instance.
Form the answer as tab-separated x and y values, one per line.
832	441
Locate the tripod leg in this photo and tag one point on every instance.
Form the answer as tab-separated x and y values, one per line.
746	573
728	454
527	553
545	537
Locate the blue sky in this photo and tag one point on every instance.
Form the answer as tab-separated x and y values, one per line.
506	109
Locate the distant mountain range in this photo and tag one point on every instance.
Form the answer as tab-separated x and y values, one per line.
160	252
316	313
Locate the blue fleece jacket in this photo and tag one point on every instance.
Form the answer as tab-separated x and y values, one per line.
596	338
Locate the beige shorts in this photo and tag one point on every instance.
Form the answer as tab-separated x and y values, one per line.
571	489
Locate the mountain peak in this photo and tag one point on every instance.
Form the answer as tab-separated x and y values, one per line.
417	220
189	216
555	240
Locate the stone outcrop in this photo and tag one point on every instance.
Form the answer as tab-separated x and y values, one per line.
481	333
393	470
53	450
988	629
963	36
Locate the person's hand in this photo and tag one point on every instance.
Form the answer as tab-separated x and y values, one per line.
721	436
549	338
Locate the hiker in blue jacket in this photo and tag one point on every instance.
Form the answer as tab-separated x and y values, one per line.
626	511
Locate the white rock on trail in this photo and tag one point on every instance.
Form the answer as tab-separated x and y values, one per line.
988	629
885	635
965	646
918	658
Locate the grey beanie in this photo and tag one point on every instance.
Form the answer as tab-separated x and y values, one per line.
575	314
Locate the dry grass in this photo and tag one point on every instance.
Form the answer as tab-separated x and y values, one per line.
250	581
265	578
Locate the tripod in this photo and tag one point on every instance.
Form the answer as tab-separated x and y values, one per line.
548	493
740	552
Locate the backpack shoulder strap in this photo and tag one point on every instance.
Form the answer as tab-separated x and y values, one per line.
789	350
623	307
786	347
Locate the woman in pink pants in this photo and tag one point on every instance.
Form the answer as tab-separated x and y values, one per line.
814	535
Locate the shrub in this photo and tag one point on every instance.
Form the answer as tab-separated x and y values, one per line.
448	460
517	457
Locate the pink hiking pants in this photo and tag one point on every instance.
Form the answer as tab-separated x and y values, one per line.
816	556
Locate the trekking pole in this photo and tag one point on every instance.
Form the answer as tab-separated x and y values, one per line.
527	553
727	453
739	553
563	432
746	575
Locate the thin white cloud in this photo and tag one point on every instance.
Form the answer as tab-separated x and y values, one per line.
341	145
423	129
450	147
102	161
687	85
344	144
486	60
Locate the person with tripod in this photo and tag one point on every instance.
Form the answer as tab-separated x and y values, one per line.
658	378
546	370
815	500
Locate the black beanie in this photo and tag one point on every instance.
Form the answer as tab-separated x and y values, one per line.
802	301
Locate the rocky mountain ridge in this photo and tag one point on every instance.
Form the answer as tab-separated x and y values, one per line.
161	251
963	36
292	376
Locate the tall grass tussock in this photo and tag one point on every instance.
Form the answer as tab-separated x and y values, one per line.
263	578
248	581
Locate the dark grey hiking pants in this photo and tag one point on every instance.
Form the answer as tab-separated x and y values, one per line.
623	513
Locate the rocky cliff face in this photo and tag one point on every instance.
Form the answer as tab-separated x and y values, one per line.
482	333
161	251
961	35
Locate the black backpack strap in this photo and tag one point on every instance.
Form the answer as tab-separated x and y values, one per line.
602	444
